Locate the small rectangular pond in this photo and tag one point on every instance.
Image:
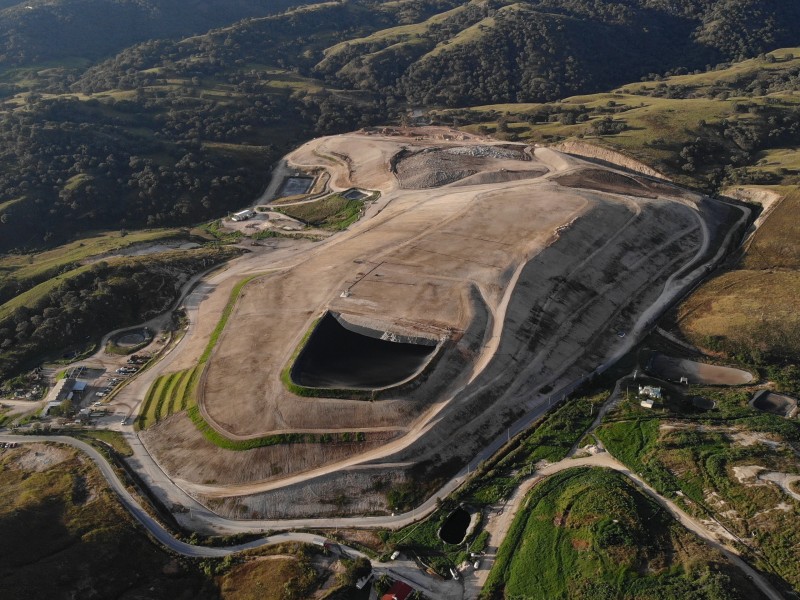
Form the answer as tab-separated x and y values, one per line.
296	185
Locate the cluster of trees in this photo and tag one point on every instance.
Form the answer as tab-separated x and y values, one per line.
72	165
57	29
533	51
158	156
92	302
722	151
748	83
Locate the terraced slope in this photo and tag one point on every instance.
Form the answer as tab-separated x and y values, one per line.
529	285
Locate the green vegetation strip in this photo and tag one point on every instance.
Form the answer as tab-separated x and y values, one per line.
176	391
168	394
187	388
143	420
226	313
216	438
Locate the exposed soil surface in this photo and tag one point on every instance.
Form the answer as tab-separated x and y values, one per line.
524	281
435	167
177	438
40	458
614	183
673	369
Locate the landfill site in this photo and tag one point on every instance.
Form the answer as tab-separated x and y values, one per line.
486	283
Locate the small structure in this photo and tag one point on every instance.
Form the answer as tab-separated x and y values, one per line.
399	591
650	392
364	580
51	405
243	215
61	391
647	403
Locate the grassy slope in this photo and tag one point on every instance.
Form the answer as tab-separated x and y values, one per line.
673	121
65	535
174	392
27	270
332	212
31	296
550	439
267	579
402	34
754	308
697	453
588	533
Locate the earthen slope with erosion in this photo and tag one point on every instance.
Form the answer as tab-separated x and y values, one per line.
526	269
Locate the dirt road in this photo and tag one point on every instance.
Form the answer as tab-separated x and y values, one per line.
497	524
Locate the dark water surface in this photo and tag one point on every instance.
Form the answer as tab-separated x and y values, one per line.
455	527
337	357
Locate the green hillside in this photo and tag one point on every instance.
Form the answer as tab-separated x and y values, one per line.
176	131
589	533
32	31
735	124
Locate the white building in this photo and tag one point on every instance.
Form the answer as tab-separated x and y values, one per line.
243	215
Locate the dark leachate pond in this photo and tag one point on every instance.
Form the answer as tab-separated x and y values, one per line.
338	357
455	527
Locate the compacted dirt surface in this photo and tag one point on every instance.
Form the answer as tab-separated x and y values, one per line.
524	266
673	369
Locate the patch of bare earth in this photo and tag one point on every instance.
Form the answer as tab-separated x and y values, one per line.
176	442
40	458
608	181
525	281
352	492
673	369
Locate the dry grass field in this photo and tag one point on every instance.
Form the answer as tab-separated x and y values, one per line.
755	307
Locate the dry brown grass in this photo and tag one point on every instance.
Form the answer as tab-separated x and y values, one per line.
758	306
261	579
775	245
758	309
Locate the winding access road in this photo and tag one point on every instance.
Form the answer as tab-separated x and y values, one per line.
498	524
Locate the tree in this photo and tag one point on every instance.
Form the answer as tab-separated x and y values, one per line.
355	570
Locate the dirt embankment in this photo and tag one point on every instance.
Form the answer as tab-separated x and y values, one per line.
345	493
435	167
176	442
673	369
607	181
766	198
609	156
